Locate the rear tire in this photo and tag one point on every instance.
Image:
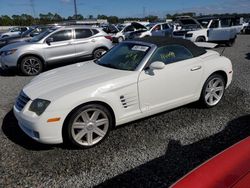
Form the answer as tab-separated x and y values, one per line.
231	42
212	91
99	52
31	66
88	126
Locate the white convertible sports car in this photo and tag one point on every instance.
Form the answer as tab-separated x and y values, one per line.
81	103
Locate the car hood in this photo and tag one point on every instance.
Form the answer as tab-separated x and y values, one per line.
10	38
138	25
62	81
15	45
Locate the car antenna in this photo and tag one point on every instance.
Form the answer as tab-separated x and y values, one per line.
222	52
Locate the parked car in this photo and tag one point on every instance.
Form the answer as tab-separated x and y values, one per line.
230	168
183	24
58	45
214	30
127	32
244	25
247	29
15	31
81	103
154	29
28	34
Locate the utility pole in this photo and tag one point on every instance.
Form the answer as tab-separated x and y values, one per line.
75	9
33	10
32	5
144	12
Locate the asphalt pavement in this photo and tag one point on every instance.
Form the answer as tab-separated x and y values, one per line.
153	152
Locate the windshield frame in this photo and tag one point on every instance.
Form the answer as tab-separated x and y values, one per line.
204	20
43	35
144	60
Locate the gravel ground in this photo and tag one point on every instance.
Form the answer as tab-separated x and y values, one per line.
153	152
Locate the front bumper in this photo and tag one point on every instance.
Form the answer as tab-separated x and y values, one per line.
8	62
38	128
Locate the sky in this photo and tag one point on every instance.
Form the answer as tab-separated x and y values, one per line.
123	8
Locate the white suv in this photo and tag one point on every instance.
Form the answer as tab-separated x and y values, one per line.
214	30
156	29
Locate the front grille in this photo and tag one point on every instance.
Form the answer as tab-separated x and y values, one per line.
179	33
21	101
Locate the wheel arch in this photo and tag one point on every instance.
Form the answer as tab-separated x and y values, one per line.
30	54
110	109
222	73
201	36
100	47
219	72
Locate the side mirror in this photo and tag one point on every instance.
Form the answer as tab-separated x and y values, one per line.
49	40
157	65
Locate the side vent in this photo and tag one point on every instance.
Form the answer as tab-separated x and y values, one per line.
128	101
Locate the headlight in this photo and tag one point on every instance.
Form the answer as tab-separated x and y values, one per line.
39	106
8	52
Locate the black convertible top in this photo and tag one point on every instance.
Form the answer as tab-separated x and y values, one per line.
163	41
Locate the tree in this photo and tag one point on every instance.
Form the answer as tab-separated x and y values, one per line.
6	20
113	19
102	17
152	18
57	18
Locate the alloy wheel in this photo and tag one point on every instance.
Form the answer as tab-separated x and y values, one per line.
98	53
90	127
31	66
214	91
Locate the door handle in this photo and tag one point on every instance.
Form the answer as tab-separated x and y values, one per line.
93	40
196	68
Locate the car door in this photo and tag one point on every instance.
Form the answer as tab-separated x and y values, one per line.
60	48
166	30
157	30
217	33
83	42
175	85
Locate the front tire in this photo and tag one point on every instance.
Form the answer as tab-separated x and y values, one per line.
200	39
89	125
212	91
31	66
120	39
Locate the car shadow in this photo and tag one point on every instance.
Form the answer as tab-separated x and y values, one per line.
13	132
180	159
248	56
8	73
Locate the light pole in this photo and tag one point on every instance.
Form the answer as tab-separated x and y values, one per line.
75	9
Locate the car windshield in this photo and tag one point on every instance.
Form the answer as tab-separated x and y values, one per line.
125	56
27	32
187	22
42	35
149	26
